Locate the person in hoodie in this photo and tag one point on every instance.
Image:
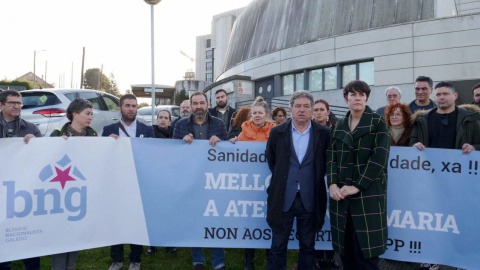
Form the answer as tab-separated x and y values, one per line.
257	129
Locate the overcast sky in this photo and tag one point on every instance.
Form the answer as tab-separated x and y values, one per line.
115	33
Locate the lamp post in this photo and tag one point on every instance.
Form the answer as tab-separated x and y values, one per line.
34	65
152	3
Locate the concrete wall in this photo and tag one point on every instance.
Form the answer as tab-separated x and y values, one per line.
443	49
468	6
201	59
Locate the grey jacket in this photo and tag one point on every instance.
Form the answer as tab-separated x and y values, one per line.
25	128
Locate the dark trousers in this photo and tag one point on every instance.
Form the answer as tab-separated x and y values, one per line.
250	256
116	253
306	237
353	258
30	264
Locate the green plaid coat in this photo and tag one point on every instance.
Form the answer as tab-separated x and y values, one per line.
360	158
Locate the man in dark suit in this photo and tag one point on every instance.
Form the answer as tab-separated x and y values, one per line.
296	155
127	127
222	110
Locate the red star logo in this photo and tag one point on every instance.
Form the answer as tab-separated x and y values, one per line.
62	176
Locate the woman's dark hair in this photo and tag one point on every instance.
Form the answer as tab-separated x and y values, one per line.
356	86
242	115
77	106
405	111
169	114
277	110
324	103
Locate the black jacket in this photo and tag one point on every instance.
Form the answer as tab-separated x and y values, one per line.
213	111
215	127
468	127
163	133
278	154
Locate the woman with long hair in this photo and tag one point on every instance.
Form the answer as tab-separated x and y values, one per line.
239	118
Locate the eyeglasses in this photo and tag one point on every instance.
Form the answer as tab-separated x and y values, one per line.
14	103
396	115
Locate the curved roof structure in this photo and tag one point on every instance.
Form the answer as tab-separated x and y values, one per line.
270	25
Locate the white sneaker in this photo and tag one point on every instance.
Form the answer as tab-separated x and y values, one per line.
116	266
134	266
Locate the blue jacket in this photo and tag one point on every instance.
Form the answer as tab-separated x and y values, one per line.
216	127
142	129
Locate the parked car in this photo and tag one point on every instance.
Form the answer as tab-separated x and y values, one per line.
145	113
47	108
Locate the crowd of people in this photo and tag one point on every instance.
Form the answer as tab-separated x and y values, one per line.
309	152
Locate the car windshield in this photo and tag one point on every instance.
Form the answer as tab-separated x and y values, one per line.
39	99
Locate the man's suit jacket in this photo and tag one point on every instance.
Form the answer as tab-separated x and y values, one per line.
142	130
278	156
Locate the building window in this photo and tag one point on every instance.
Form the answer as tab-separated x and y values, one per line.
288	86
359	71
315	80
299	85
209	54
330	78
349	73
209	77
209	66
292	82
367	72
209	43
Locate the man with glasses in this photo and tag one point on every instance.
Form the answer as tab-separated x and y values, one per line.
11	125
393	94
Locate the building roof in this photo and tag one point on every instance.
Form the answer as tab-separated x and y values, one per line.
28	77
266	26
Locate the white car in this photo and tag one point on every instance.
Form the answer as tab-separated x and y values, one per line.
47	108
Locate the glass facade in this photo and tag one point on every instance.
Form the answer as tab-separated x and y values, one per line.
288	84
315	80
330	78
367	72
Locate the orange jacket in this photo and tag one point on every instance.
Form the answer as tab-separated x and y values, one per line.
252	133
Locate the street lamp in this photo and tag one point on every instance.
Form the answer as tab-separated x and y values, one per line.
34	59
152	3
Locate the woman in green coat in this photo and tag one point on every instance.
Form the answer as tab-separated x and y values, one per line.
80	114
357	177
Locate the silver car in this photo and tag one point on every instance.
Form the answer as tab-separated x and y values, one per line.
145	113
47	108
